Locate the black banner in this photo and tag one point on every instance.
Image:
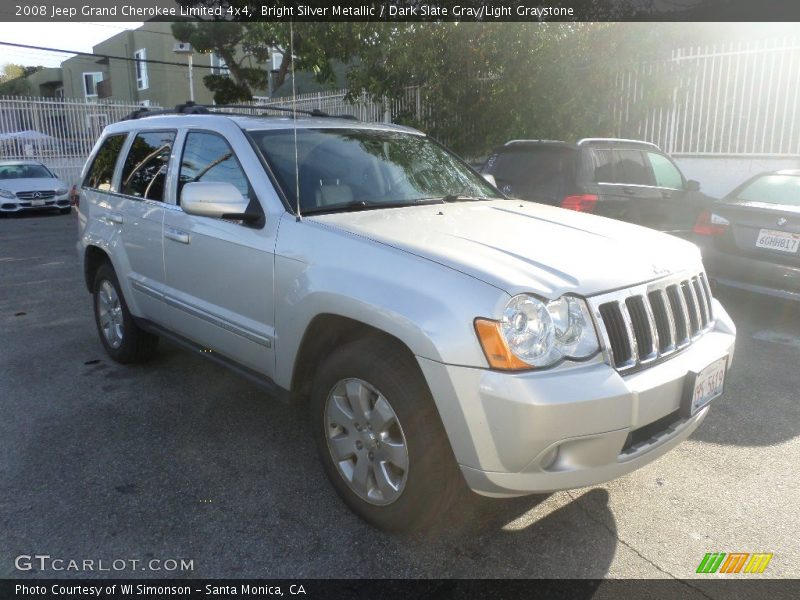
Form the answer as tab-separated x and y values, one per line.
392	589
484	11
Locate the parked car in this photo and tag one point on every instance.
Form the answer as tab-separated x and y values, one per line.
628	180
751	238
28	185
439	333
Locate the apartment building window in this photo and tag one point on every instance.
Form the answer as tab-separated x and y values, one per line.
90	81
218	65
141	69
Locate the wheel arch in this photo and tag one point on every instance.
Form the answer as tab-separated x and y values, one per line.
324	333
93	257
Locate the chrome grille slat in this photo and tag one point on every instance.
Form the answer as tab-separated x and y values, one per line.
645	323
693	306
703	303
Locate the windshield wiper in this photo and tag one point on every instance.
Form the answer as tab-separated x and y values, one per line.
463	198
357	205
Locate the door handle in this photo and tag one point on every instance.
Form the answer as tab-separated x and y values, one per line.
114	218
176	235
628	191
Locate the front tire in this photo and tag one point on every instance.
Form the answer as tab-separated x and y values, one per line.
123	340
380	437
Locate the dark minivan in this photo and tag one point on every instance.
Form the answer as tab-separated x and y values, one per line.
628	180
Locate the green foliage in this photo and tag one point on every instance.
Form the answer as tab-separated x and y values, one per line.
486	83
13	82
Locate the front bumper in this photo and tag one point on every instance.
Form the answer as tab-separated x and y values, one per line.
9	205
516	434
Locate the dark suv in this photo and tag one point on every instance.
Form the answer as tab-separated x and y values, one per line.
628	180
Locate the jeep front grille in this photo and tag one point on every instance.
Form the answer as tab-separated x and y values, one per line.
643	324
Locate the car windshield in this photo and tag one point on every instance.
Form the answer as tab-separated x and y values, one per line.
771	189
24	172
354	169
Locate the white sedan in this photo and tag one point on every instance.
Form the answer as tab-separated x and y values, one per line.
29	185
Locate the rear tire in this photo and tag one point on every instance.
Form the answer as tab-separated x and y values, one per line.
122	338
380	437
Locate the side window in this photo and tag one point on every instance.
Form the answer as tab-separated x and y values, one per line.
631	168
145	167
102	170
208	157
665	172
603	163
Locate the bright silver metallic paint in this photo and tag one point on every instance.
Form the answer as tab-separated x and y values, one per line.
421	274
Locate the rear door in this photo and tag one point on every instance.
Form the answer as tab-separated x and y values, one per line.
138	210
639	186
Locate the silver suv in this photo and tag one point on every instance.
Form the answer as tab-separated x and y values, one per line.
439	333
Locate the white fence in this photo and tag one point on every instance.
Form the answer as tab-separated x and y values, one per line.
728	100
61	132
336	102
58	132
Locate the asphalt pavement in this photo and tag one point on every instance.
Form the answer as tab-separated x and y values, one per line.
181	459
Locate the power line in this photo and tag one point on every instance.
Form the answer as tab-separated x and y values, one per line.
106	56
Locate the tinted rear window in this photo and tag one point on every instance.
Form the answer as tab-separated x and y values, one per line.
102	170
145	169
532	171
771	189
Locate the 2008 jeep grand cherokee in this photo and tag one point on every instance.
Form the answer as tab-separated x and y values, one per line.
439	333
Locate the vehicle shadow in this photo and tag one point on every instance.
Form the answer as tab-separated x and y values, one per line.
181	459
759	406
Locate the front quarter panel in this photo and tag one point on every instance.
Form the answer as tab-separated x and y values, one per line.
429	307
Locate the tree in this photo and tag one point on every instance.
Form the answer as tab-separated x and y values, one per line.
225	40
12	79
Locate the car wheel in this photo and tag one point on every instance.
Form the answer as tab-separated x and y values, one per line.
124	341
380	438
65	211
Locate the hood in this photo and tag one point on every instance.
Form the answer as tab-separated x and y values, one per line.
525	247
42	184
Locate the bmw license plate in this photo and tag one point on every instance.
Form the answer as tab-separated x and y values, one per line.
782	241
702	387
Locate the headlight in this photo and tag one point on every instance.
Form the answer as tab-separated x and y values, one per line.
7	194
61	191
535	333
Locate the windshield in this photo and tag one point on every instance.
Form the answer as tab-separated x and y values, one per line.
347	169
24	172
771	189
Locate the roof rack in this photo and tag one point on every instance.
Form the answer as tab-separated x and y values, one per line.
191	108
585	141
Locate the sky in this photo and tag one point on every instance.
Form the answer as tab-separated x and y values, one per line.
73	36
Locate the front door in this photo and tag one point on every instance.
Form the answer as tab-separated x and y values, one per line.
219	273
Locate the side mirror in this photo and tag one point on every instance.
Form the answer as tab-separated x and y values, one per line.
692	186
212	199
490	178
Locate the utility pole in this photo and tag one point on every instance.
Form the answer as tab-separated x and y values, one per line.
186	48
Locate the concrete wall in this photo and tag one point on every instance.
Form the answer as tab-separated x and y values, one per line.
718	175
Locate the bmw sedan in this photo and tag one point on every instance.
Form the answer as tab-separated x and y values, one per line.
751	238
29	185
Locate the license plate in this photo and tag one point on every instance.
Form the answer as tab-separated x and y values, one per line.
704	386
782	241
37	202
